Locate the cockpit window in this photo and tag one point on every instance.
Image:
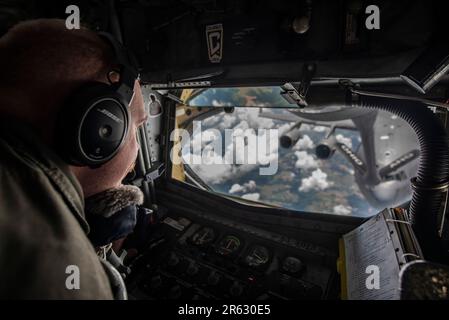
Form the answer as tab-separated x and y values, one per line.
238	97
245	144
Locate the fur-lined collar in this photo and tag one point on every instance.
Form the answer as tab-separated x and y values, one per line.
108	202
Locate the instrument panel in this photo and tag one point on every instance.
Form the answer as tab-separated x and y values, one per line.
257	257
229	245
209	259
203	237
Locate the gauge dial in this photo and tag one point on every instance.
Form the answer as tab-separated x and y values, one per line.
228	245
258	256
292	265
203	237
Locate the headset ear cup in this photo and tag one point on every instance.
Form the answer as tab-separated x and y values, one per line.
92	126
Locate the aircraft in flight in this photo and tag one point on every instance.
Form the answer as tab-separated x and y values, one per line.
382	173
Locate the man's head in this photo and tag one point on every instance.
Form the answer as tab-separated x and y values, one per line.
42	64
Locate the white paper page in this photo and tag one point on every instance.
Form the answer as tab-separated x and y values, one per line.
371	244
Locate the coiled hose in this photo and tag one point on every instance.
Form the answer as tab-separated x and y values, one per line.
432	178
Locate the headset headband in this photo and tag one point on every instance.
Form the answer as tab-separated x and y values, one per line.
128	67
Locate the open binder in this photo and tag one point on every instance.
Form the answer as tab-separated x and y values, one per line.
380	247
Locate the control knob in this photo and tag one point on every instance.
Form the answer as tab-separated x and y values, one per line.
213	278
155	282
175	292
236	289
173	260
192	269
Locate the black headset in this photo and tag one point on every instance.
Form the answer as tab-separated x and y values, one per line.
95	119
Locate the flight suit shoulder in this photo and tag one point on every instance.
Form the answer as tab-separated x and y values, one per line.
44	250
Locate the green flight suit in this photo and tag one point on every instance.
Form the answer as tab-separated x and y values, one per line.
43	241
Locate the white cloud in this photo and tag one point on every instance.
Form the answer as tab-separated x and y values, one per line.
227	121
236	188
251	116
251	196
244	118
243	125
212	173
247	187
250	185
305	160
284	128
317	181
304	143
209	135
247	156
215	172
319	128
343	210
217	103
342	139
346	169
305	127
210	121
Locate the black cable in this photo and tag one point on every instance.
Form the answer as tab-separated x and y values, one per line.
433	170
